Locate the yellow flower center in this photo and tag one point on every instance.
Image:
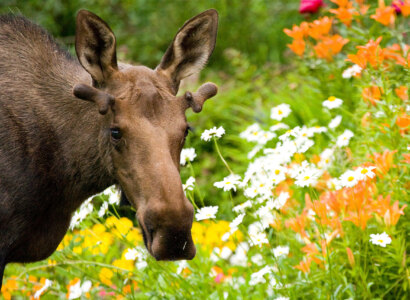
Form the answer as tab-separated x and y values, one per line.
280	112
228	182
255	133
332	98
306	177
350	178
364	171
261	185
380	241
277	172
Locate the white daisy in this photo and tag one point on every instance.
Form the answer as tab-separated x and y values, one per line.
237	221
258	238
278	127
187	154
241	207
207	212
349	178
307	177
326	157
208	134
220	253
251	132
332	102
46	285
281	251
344	139
258	277
334	183
380	239
335	122
131	254
365	172
352	71
229	182
265	216
281	111
75	291
189	185
281	200
240	257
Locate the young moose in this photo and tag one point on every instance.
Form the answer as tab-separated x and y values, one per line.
57	150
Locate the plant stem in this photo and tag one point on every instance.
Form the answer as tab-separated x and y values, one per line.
220	155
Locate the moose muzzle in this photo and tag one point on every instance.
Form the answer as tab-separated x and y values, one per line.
173	244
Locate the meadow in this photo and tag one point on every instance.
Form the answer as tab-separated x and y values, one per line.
297	169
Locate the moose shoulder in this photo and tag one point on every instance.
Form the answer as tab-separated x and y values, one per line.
57	150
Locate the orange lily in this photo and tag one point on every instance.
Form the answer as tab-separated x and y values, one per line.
370	53
298	224
384	14
392	215
344	12
319	28
330	46
394	52
404	7
350	256
383	161
401	92
298	32
342	3
372	94
304	265
297	46
403	121
406	158
359	218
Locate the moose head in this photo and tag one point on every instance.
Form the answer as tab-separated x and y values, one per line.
145	123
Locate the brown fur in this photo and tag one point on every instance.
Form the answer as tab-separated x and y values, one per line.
56	150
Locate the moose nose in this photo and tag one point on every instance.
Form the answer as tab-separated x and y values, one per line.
171	244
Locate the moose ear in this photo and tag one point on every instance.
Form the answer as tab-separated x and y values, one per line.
95	47
191	47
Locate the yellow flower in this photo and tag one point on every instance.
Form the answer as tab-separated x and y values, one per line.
110	222
134	236
123	225
124	264
78	250
105	276
98	228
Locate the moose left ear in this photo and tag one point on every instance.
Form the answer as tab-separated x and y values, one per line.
95	47
191	47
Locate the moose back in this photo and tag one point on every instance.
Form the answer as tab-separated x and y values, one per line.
70	127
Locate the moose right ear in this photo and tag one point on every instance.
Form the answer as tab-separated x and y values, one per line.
103	100
95	46
191	47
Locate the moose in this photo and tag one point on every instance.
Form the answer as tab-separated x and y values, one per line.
71	127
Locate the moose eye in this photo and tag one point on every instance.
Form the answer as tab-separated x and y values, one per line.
115	133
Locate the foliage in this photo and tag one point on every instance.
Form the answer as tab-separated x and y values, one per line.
320	210
144	29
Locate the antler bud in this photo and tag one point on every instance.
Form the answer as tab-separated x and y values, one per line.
196	100
89	93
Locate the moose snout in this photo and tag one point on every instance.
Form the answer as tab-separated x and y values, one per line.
172	244
167	230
